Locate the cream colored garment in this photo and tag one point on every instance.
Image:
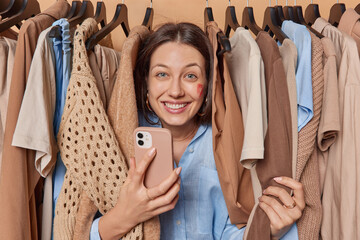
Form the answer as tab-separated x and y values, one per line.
341	198
329	125
7	55
96	168
122	109
288	54
246	69
350	24
104	63
34	128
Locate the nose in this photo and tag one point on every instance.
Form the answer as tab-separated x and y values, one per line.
175	88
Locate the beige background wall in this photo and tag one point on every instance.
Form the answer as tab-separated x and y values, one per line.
193	11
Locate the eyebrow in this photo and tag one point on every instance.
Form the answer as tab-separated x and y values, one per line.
165	66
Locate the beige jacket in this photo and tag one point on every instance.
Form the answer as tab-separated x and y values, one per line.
341	201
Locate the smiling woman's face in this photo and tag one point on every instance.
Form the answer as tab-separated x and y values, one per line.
176	83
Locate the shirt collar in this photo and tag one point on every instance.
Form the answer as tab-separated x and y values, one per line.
57	10
320	23
348	21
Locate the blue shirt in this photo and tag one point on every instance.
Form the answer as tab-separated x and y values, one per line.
200	212
62	52
302	39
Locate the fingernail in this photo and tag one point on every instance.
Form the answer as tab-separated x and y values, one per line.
152	151
178	170
179	181
264	191
277	178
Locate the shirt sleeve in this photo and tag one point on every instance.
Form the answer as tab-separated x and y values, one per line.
94	232
232	232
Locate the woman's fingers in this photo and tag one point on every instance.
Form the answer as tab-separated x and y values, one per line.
282	194
144	164
296	186
285	215
167	207
167	198
272	215
164	186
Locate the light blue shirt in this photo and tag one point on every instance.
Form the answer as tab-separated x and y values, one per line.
302	39
62	50
200	212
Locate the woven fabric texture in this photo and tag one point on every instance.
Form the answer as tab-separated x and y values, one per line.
96	168
307	167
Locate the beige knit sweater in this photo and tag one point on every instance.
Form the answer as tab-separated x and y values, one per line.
122	110
96	168
307	167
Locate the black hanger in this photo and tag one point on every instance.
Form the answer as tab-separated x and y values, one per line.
149	15
100	14
120	17
279	14
55	31
5	7
248	20
29	8
222	39
311	14
272	26
288	13
357	8
336	12
86	11
74	10
230	20
300	19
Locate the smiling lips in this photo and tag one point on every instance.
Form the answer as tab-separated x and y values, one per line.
175	107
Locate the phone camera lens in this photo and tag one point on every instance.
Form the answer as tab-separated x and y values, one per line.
141	142
140	135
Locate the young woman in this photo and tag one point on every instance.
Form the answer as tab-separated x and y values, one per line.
173	78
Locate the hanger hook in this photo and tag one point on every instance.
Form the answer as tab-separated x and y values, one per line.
294	2
122	1
150	3
207	3
269	3
229	3
247	3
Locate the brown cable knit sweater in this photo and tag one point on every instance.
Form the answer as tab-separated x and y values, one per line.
122	109
307	167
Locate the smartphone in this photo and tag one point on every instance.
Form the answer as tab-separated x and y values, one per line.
162	166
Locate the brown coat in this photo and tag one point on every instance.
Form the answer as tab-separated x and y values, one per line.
228	134
20	185
278	141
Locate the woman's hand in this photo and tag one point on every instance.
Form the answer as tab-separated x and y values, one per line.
283	216
136	203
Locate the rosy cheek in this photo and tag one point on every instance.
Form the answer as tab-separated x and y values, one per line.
200	89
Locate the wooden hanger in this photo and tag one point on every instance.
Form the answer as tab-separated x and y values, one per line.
100	14
29	8
288	13
222	39
272	26
86	11
311	14
357	8
248	20
120	18
230	20
149	15
300	19
6	6
279	14
336	12
74	10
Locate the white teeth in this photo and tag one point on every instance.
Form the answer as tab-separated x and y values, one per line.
175	106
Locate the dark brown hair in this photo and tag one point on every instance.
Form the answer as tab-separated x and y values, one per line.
185	33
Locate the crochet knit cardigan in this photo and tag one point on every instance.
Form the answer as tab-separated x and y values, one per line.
96	168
